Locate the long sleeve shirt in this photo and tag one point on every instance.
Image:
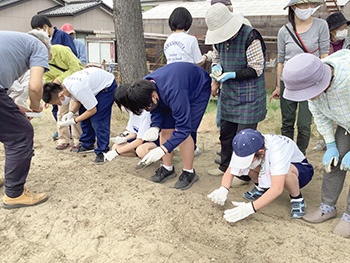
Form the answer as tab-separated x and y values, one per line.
333	105
62	38
62	64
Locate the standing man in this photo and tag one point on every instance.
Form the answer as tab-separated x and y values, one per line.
20	52
241	70
42	23
80	47
177	96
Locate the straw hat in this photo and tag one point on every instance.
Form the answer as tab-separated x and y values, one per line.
295	2
222	24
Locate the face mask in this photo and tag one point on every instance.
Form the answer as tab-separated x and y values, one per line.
65	101
153	106
341	34
255	164
304	14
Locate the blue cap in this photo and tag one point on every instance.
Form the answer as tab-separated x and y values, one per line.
245	144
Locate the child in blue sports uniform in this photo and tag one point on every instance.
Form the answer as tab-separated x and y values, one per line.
177	96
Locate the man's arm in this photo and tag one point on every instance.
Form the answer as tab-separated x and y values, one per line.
36	88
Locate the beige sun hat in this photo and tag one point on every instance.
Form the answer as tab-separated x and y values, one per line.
222	24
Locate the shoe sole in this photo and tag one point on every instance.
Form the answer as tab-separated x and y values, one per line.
6	206
99	163
195	179
166	178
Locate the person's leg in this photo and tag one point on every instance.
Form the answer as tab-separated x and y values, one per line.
218	113
288	111
145	148
88	136
343	226
101	120
76	130
332	183
227	133
186	150
304	126
54	111
63	131
164	135
16	133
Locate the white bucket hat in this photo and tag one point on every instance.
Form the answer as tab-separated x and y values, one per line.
222	24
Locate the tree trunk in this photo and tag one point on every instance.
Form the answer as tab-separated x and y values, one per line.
131	49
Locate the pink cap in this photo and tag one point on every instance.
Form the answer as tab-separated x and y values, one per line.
68	28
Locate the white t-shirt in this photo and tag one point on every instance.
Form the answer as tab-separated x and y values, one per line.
281	152
181	47
84	85
139	124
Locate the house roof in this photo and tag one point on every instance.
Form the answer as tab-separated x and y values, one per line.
74	8
4	3
246	7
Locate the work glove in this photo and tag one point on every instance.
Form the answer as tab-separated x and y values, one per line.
331	156
153	156
67	116
218	196
345	163
241	211
226	76
119	140
151	134
209	55
216	71
67	123
110	155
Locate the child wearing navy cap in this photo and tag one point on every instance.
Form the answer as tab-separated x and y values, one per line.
274	162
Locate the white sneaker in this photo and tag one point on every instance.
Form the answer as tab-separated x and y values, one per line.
320	145
197	151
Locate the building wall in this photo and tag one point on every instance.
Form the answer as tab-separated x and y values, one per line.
95	19
18	17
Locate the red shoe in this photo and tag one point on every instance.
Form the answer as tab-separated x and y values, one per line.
62	146
75	147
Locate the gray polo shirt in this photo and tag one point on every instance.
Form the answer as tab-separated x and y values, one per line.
317	37
18	53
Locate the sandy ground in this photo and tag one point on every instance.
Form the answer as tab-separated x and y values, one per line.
112	213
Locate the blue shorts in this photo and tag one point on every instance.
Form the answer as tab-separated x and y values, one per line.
306	171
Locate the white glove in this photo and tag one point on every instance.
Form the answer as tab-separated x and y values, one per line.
119	140
218	196
153	156
209	55
110	155
67	116
240	212
67	123
151	134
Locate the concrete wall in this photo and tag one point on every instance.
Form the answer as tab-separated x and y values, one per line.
18	17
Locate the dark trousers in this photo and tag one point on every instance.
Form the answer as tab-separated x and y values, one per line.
16	133
54	111
289	110
227	133
99	125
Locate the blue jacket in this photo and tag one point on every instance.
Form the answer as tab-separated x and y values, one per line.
182	87
62	38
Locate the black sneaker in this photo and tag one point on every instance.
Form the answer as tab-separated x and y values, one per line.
100	159
218	161
82	149
162	175
186	180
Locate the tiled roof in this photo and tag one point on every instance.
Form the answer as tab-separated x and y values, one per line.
4	3
74	8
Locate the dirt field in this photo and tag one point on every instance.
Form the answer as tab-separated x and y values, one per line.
112	213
